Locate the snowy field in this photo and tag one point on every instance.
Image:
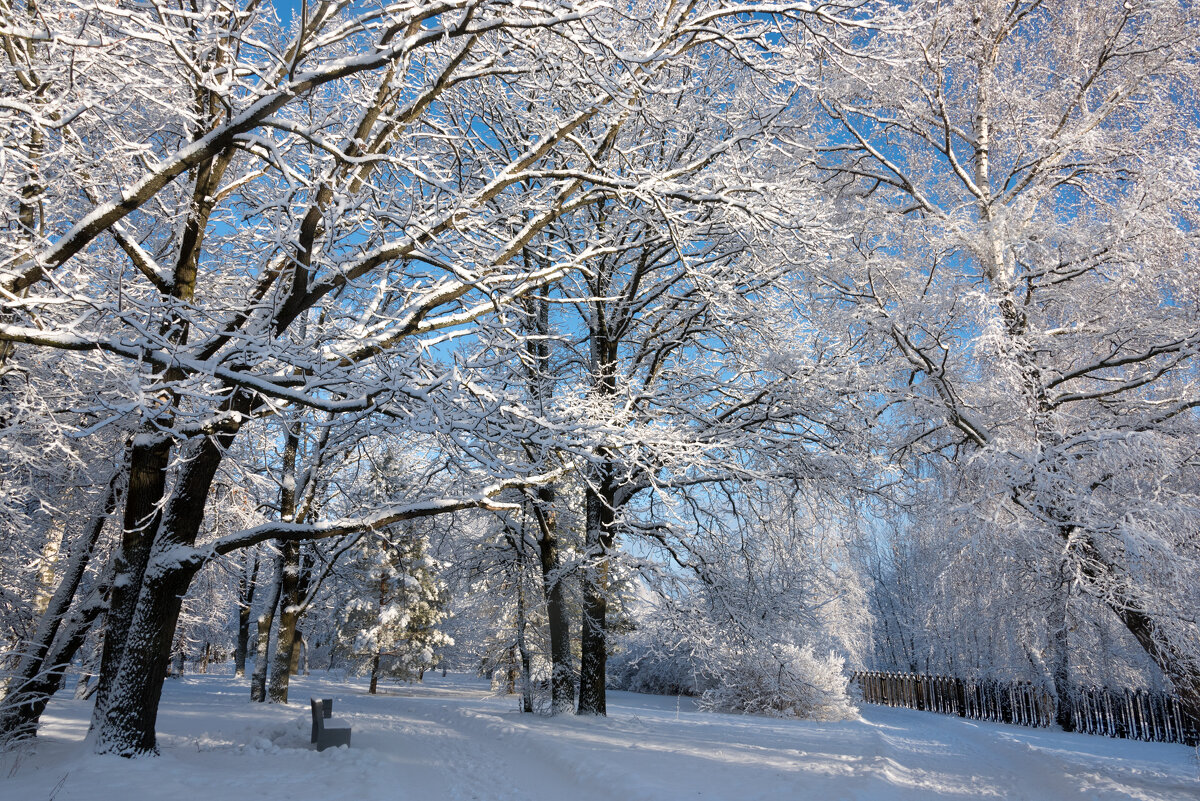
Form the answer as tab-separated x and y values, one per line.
449	739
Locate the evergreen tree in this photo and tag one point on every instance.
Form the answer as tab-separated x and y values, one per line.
391	625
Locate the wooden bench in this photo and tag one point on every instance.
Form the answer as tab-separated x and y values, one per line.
327	731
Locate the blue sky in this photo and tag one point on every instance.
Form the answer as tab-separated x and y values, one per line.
286	8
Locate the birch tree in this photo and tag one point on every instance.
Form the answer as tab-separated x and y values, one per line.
1020	182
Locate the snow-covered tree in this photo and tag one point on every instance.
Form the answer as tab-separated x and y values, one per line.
1019	188
770	609
294	230
391	624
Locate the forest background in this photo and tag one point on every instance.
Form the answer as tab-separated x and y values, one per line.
687	346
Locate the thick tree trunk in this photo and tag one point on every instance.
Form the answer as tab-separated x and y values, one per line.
128	725
600	514
562	684
289	613
541	389
266	618
143	504
246	587
127	719
594	644
594	637
36	677
1060	641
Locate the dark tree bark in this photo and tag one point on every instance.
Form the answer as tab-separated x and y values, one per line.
1060	639
128	718
600	507
1177	665
246	586
143	504
143	526
541	389
562	684
293	588
374	674
510	671
1131	608
594	637
522	648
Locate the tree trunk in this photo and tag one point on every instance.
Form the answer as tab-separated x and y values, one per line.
1060	642
510	672
128	724
526	669
562	685
374	674
144	609
143	505
31	222
70	638
128	718
541	389
594	644
289	613
1175	662
594	637
245	604
266	618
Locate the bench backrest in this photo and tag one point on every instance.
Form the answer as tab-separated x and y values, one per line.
317	713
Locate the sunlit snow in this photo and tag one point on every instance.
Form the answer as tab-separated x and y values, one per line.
450	738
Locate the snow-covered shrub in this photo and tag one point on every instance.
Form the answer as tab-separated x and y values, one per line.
642	668
781	681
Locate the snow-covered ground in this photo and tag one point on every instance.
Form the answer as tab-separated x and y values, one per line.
450	739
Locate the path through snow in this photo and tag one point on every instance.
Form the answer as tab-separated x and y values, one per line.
449	739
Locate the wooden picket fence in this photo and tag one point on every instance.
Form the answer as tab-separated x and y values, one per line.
1132	714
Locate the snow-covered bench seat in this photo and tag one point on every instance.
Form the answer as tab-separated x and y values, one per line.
327	731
